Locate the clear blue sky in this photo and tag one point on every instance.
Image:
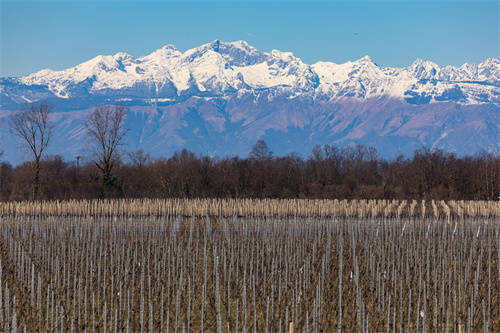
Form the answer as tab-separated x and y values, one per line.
59	34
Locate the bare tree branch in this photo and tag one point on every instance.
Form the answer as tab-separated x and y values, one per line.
34	131
106	131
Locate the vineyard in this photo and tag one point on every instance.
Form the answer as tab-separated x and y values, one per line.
249	265
254	207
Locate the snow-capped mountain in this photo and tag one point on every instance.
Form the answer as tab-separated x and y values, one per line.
220	98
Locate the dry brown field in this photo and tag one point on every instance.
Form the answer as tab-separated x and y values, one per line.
254	207
249	265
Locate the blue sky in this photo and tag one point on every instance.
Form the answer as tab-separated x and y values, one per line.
59	34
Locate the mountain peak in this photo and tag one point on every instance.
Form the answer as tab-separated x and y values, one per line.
365	58
424	69
122	56
491	61
236	53
240	44
218	67
218	94
165	51
219	46
284	56
421	62
215	45
169	47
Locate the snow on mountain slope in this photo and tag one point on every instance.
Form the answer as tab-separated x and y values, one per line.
362	78
219	68
487	71
219	98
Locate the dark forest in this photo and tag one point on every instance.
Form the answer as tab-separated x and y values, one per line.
329	172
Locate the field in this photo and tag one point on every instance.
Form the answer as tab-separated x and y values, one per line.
249	265
254	207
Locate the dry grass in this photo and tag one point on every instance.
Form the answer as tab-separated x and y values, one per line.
254	207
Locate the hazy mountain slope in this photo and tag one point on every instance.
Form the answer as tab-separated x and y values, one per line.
220	98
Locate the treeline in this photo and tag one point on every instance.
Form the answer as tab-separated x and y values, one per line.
329	172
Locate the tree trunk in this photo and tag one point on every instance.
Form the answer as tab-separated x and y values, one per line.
36	178
107	179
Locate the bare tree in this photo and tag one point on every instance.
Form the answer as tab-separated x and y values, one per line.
32	128
106	131
139	158
260	151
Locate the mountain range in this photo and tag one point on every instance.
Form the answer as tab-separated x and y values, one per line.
221	97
